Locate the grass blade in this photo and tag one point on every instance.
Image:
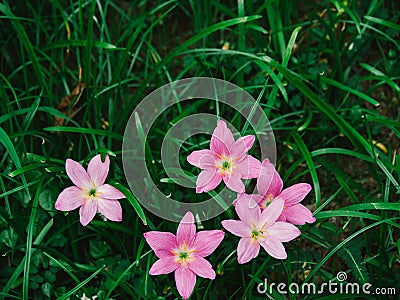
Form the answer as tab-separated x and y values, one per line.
133	201
31	230
307	156
84	130
82	284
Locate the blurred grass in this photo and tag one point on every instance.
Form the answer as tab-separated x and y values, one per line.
326	74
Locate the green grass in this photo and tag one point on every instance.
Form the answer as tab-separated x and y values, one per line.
326	73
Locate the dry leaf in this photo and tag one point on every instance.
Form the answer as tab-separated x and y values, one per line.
65	103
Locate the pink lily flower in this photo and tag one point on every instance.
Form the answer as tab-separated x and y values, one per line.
226	160
90	193
260	228
184	253
293	212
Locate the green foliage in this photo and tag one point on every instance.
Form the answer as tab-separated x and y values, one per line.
325	72
352	255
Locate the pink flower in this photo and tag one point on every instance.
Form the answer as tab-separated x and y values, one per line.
258	228
226	160
90	193
184	253
293	212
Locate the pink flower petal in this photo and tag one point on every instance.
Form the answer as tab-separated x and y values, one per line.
212	184
111	209
186	230
247	209
222	139
248	141
298	214
164	265
107	191
202	267
88	211
234	182
77	174
274	247
282	217
249	167
283	231
271	213
70	198
239	149
276	185
236	227
207	241
162	243
295	193
98	170
257	198
204	159
205	177
185	281
248	249
266	183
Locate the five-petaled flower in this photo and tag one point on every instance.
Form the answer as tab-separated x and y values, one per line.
226	160
184	253
260	228
293	212
90	193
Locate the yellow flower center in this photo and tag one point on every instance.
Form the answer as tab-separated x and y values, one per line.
183	255
258	233
92	193
226	165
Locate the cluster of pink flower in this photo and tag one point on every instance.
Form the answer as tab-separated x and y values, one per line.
266	219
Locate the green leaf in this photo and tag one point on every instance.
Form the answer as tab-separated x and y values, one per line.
350	90
5	140
99	249
29	239
351	254
84	130
132	200
82	43
80	285
307	156
9	237
386	23
26	168
46	201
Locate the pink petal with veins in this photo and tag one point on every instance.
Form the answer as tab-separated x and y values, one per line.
98	170
248	249
185	281
186	230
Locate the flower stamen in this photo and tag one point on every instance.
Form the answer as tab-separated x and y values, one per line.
183	255
268	201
